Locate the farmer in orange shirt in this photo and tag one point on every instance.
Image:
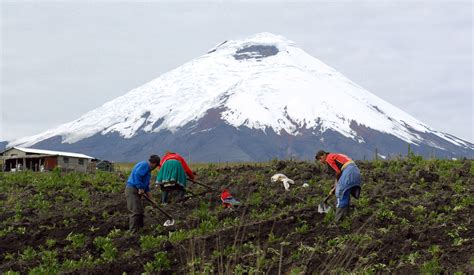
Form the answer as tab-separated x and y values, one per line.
347	182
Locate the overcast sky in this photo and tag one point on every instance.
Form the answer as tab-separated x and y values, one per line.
60	60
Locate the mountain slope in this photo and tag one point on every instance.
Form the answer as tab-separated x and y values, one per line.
261	92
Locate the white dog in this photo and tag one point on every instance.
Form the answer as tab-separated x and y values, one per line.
286	181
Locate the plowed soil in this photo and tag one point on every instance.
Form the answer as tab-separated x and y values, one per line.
412	217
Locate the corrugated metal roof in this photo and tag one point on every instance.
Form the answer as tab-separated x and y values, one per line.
49	152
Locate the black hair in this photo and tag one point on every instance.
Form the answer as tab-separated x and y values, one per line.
321	153
154	159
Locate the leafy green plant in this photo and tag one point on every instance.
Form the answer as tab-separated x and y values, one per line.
329	217
346	224
272	239
149	242
21	230
255	199
303	229
239	269
229	221
202	211
49	258
378	267
86	261
296	255
49	263
50	243
208	225
130	253
159	263
4	232
9	256
457	239
336	243
412	257
77	240
419	210
431	267
404	221
105	244
114	233
178	235
208	268
68	222
434	250
385	214
93	228
28	254
259	214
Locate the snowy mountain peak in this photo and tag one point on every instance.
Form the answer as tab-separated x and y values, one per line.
264	40
263	82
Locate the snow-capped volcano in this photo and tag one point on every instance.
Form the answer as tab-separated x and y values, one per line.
263	85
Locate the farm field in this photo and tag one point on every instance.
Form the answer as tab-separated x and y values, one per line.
414	216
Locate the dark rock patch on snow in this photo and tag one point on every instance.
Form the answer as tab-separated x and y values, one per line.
255	52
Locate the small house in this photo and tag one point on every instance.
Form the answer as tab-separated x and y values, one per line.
19	158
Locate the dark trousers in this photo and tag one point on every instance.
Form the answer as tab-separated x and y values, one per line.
343	204
171	187
135	206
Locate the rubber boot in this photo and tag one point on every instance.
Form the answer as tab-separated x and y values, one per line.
181	192
164	197
341	213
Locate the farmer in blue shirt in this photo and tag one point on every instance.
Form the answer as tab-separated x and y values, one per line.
138	184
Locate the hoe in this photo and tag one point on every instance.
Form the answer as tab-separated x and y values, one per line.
169	221
202	184
322	207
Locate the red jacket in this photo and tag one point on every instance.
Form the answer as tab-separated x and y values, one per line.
337	161
180	159
225	194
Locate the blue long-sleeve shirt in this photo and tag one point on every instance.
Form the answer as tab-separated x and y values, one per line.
140	176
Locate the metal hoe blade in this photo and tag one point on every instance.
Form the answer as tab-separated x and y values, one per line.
323	208
168	223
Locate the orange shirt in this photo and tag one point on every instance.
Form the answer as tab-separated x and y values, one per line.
336	161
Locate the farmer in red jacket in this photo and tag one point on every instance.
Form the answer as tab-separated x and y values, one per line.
228	201
173	176
347	182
